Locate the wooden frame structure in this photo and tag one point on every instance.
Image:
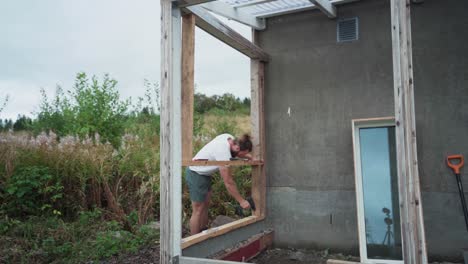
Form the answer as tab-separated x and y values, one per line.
258	176
177	105
177	81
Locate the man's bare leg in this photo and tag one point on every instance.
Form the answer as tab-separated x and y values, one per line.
196	218
204	216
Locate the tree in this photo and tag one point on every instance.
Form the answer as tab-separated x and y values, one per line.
8	124
98	108
91	107
55	115
22	123
228	102
246	102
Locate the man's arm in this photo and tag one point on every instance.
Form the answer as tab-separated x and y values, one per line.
232	188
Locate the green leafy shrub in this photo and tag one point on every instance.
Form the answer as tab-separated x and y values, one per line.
224	104
52	240
32	191
90	108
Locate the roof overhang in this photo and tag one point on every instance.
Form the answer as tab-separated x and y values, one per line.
253	12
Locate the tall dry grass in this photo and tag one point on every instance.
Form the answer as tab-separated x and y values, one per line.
123	182
93	174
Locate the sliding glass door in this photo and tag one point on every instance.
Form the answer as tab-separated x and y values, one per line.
377	191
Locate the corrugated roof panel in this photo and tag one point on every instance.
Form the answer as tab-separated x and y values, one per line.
267	8
259	7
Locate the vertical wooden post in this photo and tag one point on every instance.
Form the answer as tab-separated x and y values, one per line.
170	139
188	61
257	69
412	223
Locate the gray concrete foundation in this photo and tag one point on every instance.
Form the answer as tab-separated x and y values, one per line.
214	245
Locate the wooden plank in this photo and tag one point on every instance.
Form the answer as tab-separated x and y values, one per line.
326	7
217	231
185	3
230	12
170	148
188	81
221	163
188	260
257	69
412	223
221	31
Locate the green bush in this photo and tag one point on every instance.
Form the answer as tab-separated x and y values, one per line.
32	191
226	104
52	240
90	108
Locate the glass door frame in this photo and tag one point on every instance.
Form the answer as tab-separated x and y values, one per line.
358	124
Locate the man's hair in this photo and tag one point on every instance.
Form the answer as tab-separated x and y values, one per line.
245	143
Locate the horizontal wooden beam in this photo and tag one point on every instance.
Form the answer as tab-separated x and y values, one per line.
185	3
230	12
217	231
221	163
326	7
189	260
221	31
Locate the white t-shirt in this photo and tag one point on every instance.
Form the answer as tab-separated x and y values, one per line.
217	149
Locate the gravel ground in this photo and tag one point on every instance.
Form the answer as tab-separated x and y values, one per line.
150	255
146	255
296	256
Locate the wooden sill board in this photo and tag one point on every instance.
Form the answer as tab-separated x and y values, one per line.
217	231
221	163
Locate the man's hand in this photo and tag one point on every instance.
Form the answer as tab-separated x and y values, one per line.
248	156
245	204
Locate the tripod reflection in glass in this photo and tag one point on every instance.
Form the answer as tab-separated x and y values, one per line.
387	241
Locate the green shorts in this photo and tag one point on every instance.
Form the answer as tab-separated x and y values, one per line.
199	185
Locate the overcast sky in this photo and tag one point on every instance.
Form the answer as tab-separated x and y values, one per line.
45	43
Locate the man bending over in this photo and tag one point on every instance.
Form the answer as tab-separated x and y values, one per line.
222	148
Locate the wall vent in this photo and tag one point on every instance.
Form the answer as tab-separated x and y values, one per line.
347	29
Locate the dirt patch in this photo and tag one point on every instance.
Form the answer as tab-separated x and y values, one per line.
298	256
150	255
146	255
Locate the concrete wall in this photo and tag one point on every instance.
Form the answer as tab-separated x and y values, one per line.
440	57
316	86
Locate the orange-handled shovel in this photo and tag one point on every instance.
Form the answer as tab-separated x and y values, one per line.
455	162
